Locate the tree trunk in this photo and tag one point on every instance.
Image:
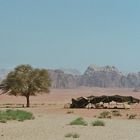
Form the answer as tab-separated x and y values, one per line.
28	101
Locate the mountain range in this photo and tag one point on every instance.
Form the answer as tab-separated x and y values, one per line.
94	76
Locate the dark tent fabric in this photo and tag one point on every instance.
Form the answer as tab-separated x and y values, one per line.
82	102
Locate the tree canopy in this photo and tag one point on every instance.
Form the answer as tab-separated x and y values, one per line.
25	80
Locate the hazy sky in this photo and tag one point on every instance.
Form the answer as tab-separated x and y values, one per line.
70	33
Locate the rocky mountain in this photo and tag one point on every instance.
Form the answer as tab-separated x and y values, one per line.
107	76
94	76
71	71
63	80
131	80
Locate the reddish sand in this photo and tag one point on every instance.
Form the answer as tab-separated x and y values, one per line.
51	119
53	103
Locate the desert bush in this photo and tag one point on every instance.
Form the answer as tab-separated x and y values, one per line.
132	116
70	111
105	114
68	135
3	121
116	113
15	115
79	121
74	135
98	123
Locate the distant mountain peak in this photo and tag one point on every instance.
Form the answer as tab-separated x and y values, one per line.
104	68
94	76
70	71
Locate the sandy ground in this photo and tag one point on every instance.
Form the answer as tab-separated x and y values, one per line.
55	127
51	119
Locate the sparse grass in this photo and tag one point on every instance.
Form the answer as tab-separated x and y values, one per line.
74	135
70	111
132	116
98	123
105	114
15	115
3	121
79	121
116	113
68	135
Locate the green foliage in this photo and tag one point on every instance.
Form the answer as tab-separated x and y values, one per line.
74	135
105	114
25	81
79	121
15	115
98	123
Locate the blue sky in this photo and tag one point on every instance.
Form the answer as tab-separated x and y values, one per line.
70	33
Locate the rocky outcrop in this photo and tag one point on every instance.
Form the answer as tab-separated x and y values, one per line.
107	76
62	80
71	71
94	76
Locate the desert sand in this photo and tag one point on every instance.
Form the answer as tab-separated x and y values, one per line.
52	120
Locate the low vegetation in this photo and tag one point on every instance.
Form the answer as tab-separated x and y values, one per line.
98	123
73	135
70	111
116	113
109	114
15	115
79	121
68	135
105	114
132	116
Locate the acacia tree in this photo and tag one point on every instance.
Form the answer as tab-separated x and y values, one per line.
24	80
